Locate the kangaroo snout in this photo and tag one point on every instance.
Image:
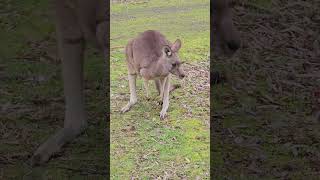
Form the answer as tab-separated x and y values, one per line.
233	45
181	74
177	71
230	36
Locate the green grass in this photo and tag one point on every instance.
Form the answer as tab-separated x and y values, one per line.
35	109
142	146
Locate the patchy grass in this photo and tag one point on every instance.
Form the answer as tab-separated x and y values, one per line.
31	98
261	116
142	146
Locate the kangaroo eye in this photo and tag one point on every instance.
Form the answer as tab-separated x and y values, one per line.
168	52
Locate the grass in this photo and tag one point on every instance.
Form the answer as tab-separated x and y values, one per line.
262	132
31	98
142	146
252	142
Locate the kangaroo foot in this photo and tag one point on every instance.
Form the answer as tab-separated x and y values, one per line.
53	145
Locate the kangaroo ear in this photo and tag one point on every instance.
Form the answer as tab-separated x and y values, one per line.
167	51
176	45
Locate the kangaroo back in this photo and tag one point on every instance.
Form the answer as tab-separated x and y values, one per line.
147	47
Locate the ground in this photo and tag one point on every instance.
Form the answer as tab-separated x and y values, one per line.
143	146
31	98
262	116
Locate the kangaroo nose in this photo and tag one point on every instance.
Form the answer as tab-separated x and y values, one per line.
182	76
233	45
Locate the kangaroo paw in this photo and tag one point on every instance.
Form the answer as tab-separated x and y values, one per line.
53	145
174	87
163	115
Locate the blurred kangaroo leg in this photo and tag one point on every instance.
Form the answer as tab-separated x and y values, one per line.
71	49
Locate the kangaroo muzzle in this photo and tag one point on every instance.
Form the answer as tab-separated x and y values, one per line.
181	73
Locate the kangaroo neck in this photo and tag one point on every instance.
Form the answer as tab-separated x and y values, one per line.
162	68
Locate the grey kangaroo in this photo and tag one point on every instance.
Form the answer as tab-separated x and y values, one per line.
77	22
225	34
153	57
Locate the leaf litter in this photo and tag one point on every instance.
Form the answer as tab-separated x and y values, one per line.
278	67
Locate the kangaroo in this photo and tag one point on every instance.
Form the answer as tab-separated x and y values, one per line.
225	35
153	57
77	22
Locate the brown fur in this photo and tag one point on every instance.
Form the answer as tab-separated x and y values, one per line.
226	36
153	57
144	56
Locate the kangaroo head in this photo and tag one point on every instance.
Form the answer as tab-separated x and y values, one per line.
170	56
226	36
